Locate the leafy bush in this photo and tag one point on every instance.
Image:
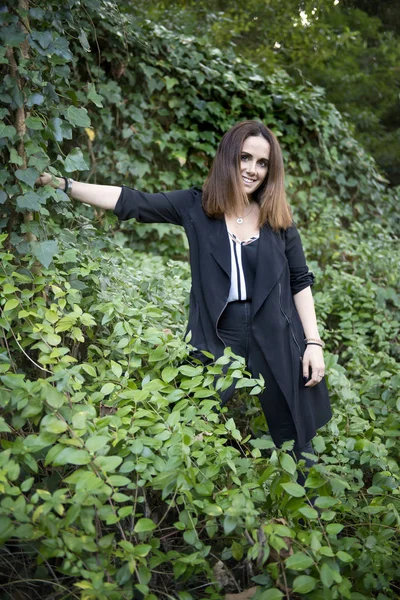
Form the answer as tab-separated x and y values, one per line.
117	470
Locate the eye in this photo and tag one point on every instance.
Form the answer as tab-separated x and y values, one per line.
264	164
244	157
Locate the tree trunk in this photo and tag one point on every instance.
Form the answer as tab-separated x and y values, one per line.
20	113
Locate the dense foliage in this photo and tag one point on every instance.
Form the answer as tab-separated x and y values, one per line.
118	477
351	48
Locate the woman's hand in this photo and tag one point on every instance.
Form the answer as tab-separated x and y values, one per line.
313	360
48	179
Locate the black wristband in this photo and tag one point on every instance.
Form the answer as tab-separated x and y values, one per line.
65	184
313	344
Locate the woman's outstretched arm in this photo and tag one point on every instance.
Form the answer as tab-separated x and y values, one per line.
102	196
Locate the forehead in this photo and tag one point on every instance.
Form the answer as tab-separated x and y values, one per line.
257	146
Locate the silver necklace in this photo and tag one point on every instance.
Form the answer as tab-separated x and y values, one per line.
240	220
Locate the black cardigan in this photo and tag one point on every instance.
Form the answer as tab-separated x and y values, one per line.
281	272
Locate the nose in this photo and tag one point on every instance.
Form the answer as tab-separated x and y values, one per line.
251	168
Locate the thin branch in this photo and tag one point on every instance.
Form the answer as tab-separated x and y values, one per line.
27	355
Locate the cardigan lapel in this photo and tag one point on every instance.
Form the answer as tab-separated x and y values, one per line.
219	244
270	263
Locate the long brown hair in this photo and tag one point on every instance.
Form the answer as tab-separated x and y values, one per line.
223	191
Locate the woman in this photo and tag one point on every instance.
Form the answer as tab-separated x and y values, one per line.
251	287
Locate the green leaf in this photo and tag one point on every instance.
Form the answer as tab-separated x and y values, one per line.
189	371
142	549
271	594
334	528
28	201
11	304
9	288
213	510
34	123
75	161
230	524
299	561
44	251
118	480
52	424
116	369
168	374
12	35
72	456
78	116
89	369
288	463
35	99
107	389
293	489
4	428
304	584
325	501
96	442
53	339
44	38
27	484
344	556
94	96
144	525
79	420
314	481
319	444
326	575
237	551
125	511
204	489
28	176
308	512
123	575
54	398
106	540
262	444
108	463
3	197
15	158
170	82
7	131
136	447
84	41
61	129
328	515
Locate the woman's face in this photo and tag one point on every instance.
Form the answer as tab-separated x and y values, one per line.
254	162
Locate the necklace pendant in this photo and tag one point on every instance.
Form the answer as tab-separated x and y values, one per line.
239	220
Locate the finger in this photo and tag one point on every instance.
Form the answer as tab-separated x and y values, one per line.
306	368
42	179
316	378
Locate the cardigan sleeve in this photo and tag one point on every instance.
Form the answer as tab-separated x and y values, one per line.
300	276
160	207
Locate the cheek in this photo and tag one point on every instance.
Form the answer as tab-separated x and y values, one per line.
263	174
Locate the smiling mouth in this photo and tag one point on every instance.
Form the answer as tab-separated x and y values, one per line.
247	180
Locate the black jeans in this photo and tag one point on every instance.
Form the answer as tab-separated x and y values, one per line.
234	328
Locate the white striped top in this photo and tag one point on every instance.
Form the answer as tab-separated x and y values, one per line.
242	268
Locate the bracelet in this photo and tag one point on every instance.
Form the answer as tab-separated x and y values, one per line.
316	341
67	184
314	344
